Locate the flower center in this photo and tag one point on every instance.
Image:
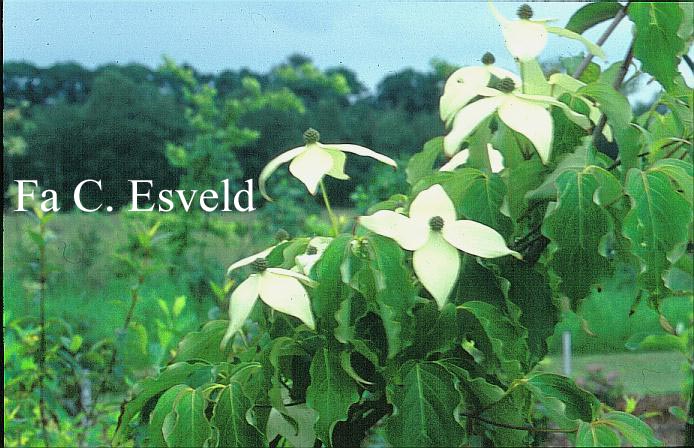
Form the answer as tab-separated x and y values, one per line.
259	265
281	235
311	250
506	85
525	12
488	58
311	136
436	223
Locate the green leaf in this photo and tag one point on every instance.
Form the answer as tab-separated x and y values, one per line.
179	304
204	344
633	429
529	290
656	42
681	172
594	49
592	14
609	188
395	294
331	291
507	341
434	331
575	161
331	392
186	424
165	404
519	181
657	225
229	417
591	434
422	163
477	195
477	392
610	102
425	405
590	74
563	401
174	374
576	228
134	353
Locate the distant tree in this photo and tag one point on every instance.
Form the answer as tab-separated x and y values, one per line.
410	90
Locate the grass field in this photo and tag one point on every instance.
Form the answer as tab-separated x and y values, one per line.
647	373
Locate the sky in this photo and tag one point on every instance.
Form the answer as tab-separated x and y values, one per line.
372	38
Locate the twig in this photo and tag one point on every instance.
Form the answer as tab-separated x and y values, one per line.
134	297
589	57
42	343
517	427
619	161
689	62
623	69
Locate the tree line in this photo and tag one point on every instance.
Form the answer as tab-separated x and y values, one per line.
66	123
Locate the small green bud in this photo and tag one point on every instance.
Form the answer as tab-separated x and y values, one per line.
436	223
281	235
488	58
311	136
259	265
525	12
311	250
506	85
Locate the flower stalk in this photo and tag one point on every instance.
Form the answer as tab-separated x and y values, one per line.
333	219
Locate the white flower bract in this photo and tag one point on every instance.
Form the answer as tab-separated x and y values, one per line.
496	160
305	261
435	252
281	289
313	161
523	113
525	39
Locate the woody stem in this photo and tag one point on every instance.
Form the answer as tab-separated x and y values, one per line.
326	201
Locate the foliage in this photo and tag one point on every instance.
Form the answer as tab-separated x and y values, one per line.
373	345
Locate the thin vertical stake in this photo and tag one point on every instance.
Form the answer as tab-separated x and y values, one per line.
566	352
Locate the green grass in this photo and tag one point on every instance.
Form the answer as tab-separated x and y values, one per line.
648	373
86	290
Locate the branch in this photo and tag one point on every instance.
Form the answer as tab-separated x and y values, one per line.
589	57
623	69
42	342
517	427
689	62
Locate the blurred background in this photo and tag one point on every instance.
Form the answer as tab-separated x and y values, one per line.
187	94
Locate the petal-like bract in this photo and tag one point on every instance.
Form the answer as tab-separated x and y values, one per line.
297	275
409	234
311	166
477	239
436	265
524	39
467	119
461	87
272	166
457	160
240	305
283	292
338	168
432	202
362	151
248	260
496	160
531	120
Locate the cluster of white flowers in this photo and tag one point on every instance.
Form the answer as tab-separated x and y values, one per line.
431	228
